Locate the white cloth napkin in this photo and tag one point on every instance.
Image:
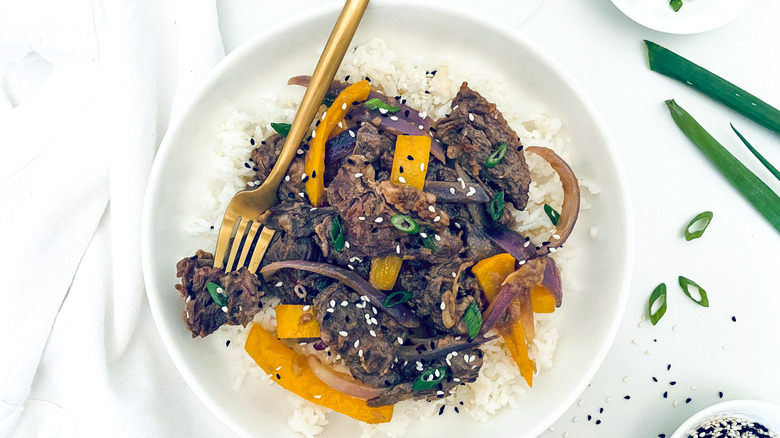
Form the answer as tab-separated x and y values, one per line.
75	154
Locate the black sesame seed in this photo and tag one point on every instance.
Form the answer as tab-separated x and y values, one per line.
397	98
720	394
427	92
434	72
461	403
519	148
227	344
672	383
734	318
346	78
410	158
368	79
456	410
668	367
252	141
278	376
655	380
400	169
441	410
598	421
589	417
305	178
627	397
666	394
661	435
688	400
247	165
601	410
313	174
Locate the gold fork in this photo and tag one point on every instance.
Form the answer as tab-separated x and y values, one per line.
240	226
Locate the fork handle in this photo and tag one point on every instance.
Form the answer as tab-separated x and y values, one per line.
330	60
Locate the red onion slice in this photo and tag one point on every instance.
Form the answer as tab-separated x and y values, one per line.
402	313
412	353
571	196
552	281
341	382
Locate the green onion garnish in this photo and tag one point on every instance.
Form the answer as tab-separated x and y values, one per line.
405	224
749	185
337	234
697	225
473	319
397	297
427	239
658	294
282	128
686	285
552	214
496	206
676	4
760	157
375	104
496	156
675	66
429	379
217	293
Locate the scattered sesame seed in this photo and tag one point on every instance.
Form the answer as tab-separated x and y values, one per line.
452	190
357	343
437	237
420	127
304	177
302	195
317	396
346	244
330	310
382	111
398	249
432	209
358	175
343	333
224	309
400	340
608	399
314	133
394	118
422	167
344	303
378	220
402	180
424	235
675	403
306	307
443	305
344	106
287	178
372	333
362	218
352	133
299	151
471	117
437	218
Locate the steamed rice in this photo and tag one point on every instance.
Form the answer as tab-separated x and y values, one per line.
500	383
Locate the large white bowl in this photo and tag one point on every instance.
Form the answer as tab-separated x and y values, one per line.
435	31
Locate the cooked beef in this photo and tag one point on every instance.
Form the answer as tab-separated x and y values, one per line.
264	157
472	132
351	326
407	199
437	295
461	369
296	218
350	256
293	286
372	143
202	314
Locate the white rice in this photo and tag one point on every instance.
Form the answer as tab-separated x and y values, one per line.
499	384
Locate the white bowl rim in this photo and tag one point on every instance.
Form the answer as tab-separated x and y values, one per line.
179	119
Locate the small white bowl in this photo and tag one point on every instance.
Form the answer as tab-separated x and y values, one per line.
695	15
756	411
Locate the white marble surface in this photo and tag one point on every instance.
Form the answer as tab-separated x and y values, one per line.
736	261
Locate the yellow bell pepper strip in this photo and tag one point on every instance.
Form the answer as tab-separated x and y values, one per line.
542	300
384	271
296	321
276	359
492	271
515	342
314	164
410	165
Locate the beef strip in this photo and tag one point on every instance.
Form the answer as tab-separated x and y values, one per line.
264	157
472	132
202	315
296	218
293	286
408	199
350	255
461	369
372	142
352	327
437	296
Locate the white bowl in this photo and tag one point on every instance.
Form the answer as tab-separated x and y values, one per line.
756	411
695	15
436	31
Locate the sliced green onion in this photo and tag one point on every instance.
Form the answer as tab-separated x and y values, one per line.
697	225
428	239
496	206
282	128
676	4
429	379
337	234
686	285
496	156
473	319
760	157
217	293
397	297
375	104
675	66
749	185
405	224
552	214
328	100
659	293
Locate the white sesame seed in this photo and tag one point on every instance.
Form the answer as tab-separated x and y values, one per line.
313	208
224	309
455	379
382	111
372	333
471	117
303	176
189	298
364	298
344	106
340	125
343	333
378	220
422	167
675	403
358	175
553	249
471	191
351	267
437	218
330	310
250	184
454	275
302	195
432	209
360	353
420	127
332	303
454	353
625	379
452	190
362	218
608	399
352	133
346	244
556	236
373	321
675	327
437	237
314	134
457	225
398	249
278	368
306	307
443	306
521	262
440	392
424	235
317	396
449	362
344	303
394	118
357	343
188	314
402	180
419	364
299	151
373	309
287	178
401	341
462	183
526	244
